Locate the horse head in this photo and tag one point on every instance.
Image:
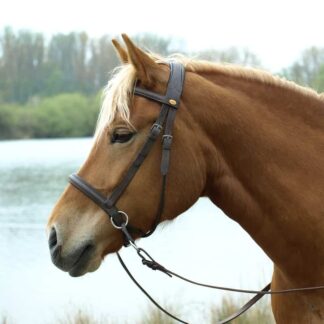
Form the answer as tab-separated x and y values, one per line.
80	231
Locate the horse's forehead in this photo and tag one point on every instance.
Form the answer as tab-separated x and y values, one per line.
143	111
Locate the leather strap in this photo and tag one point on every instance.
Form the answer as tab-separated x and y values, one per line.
146	293
246	306
151	95
174	88
88	190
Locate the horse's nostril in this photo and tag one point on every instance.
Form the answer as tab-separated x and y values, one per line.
56	253
55	248
52	240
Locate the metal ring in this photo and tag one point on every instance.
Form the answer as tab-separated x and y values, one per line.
124	224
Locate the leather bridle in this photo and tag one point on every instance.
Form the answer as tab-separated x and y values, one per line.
169	104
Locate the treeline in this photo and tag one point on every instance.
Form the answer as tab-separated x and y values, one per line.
32	66
51	87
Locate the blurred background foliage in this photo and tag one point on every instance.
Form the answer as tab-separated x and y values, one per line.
52	87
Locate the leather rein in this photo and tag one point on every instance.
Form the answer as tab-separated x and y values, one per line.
169	104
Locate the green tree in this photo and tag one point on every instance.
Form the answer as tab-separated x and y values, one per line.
307	70
7	121
21	64
319	79
65	115
103	59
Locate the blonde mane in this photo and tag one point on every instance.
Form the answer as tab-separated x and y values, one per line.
119	90
116	97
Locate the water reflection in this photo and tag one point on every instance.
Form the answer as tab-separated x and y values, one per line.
32	176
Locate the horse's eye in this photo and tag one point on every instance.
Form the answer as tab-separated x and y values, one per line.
121	137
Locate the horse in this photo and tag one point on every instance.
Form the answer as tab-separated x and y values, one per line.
251	142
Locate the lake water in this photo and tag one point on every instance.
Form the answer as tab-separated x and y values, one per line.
33	173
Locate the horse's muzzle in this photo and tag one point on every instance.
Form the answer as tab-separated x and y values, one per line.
74	262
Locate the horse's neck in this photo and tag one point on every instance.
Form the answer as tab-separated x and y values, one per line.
268	167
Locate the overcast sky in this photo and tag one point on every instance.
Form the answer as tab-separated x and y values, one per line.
277	31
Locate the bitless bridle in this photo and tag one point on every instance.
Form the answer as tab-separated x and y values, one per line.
169	104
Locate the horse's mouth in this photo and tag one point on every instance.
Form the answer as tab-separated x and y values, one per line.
75	262
80	266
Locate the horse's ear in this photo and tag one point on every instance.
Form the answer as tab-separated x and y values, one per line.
147	70
120	51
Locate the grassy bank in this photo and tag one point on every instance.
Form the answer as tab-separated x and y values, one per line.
64	115
260	313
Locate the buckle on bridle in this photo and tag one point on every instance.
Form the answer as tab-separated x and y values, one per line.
167	141
155	130
123	223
